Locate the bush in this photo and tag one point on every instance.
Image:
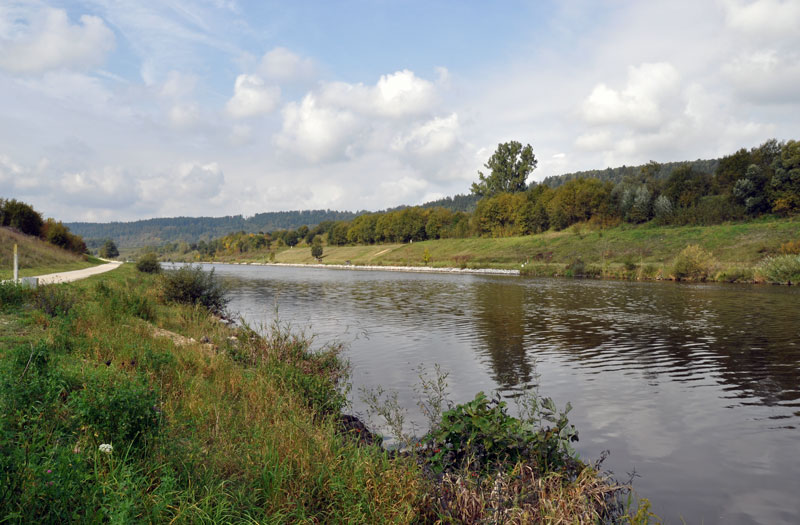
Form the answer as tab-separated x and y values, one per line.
54	299
481	436
693	264
148	263
780	269
191	285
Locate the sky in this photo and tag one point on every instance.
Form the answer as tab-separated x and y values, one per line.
116	110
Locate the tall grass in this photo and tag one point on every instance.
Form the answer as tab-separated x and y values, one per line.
36	257
233	430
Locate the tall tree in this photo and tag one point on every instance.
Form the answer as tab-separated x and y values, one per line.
509	167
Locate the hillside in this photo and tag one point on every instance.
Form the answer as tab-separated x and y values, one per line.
36	257
156	232
623	252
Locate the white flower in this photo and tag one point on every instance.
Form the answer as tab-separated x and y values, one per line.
106	448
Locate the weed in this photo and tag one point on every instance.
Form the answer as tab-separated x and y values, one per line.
12	295
54	299
693	264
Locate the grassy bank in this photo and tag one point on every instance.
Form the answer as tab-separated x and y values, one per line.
37	257
625	252
118	405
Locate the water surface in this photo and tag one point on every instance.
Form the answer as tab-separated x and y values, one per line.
696	388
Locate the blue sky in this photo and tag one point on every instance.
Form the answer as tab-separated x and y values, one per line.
115	110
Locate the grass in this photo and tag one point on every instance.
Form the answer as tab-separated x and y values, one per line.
37	257
209	423
623	252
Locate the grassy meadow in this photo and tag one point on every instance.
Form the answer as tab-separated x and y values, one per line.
37	257
733	251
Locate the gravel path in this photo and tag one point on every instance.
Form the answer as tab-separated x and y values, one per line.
66	277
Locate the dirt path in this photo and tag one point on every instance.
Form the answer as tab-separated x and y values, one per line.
67	277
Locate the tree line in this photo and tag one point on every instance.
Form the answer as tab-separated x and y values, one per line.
749	183
25	219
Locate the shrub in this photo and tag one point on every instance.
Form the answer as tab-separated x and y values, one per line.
148	263
191	285
693	264
480	435
54	299
11	295
780	269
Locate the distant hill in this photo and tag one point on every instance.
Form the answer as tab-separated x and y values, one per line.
616	175
156	232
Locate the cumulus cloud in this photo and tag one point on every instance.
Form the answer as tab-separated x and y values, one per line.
399	94
283	65
315	131
50	41
433	137
110	187
252	96
639	103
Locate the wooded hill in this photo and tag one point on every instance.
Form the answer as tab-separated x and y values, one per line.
156	232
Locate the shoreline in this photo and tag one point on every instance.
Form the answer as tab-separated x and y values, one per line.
377	268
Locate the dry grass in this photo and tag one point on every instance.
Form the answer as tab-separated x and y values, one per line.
36	257
522	497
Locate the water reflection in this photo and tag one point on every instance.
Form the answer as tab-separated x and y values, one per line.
697	387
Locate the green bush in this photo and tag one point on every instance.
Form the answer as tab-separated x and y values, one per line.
480	435
148	263
191	285
693	264
780	269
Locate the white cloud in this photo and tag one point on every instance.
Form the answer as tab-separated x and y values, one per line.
184	115
283	65
433	137
200	180
49	41
765	77
110	187
767	19
640	103
594	141
316	132
399	94
252	96
178	85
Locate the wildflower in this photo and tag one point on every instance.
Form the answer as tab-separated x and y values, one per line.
106	448
49	471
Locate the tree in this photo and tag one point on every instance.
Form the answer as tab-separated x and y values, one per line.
316	248
109	250
510	166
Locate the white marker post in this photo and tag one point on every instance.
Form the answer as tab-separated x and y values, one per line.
16	264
